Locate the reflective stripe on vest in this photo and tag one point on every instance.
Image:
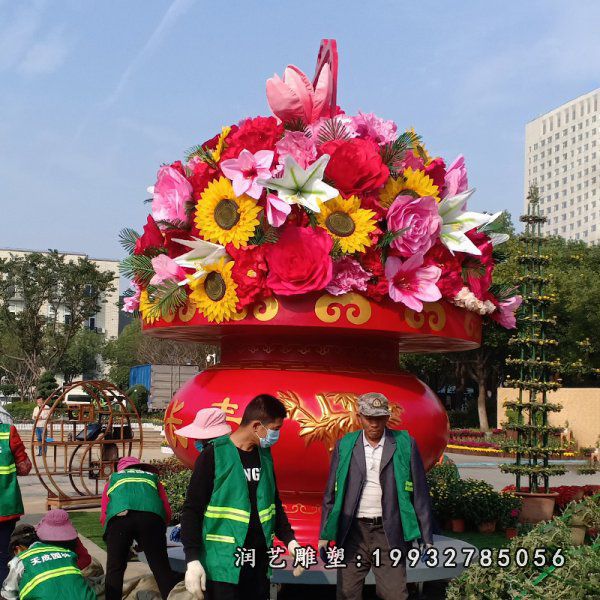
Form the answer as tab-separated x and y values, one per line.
402	475
227	512
8	470
131	480
33	583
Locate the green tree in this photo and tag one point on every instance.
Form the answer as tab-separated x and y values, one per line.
54	296
81	358
46	384
122	353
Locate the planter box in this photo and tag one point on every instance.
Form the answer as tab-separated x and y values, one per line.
536	507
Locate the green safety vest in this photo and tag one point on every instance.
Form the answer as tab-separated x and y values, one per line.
51	572
11	502
404	485
133	489
227	515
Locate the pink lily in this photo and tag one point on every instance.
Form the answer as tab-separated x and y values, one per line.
456	181
411	283
505	313
165	269
294	96
277	210
244	171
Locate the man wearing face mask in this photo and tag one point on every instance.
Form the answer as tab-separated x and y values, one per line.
232	501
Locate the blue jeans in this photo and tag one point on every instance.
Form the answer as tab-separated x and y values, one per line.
39	432
6	529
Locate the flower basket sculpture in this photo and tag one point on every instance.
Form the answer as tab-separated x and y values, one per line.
313	246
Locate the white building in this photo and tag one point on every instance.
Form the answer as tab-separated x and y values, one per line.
562	157
106	321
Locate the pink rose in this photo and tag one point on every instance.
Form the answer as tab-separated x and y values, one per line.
299	262
348	275
171	192
420	218
456	181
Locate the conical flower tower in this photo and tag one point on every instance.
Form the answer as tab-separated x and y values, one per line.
534	347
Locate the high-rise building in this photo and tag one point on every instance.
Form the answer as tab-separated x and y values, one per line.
562	157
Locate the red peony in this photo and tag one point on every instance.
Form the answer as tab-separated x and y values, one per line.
355	165
371	261
260	133
175	249
249	273
479	269
151	239
178	166
202	175
378	290
299	262
451	281
436	169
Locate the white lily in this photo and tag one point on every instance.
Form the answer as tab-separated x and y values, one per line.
302	186
495	238
456	221
202	254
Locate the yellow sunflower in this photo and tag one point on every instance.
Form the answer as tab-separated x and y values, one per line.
214	293
223	218
420	150
216	153
412	182
347	223
148	308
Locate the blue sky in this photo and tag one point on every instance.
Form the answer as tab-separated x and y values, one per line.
94	96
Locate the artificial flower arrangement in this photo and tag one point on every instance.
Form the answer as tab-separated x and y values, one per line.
312	199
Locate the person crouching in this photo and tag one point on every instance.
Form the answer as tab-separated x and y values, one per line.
135	507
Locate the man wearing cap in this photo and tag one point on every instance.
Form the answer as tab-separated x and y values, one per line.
135	507
376	498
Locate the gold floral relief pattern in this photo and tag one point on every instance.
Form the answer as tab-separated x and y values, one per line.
433	312
267	309
229	409
299	508
357	311
187	311
470	324
339	415
173	423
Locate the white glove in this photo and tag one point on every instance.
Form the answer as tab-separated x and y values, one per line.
299	569
195	579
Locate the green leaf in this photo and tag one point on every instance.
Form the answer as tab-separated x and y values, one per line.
392	153
333	129
127	238
137	267
204	154
169	296
389	236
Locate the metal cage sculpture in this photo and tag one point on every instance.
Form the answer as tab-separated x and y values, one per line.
91	425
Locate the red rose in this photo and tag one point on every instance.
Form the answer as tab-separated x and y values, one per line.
151	239
299	262
260	133
450	281
436	169
378	290
202	175
175	249
371	261
479	269
355	165
249	273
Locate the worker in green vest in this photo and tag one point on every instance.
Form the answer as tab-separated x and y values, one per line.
233	512
135	507
42	571
13	462
376	500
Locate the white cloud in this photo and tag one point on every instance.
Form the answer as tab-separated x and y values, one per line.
45	56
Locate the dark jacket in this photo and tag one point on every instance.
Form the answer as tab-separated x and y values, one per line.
392	524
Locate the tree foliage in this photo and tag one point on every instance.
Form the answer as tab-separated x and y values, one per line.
45	299
81	357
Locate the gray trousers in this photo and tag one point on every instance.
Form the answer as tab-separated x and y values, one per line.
390	582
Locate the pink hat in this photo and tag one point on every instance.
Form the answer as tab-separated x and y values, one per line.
56	527
208	423
127	461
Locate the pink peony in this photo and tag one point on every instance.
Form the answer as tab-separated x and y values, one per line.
420	218
411	283
505	312
297	145
165	268
368	125
246	169
299	262
171	192
456	180
132	303
348	275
